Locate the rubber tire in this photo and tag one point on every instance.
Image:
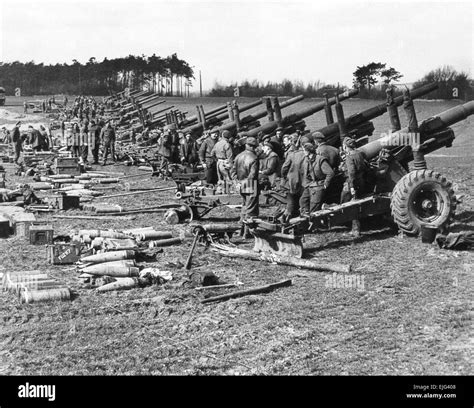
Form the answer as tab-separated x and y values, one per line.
405	192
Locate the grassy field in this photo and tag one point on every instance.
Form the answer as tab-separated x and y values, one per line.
410	314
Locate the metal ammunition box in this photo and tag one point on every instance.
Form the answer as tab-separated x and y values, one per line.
64	202
63	254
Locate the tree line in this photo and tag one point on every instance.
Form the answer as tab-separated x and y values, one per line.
166	76
371	80
257	89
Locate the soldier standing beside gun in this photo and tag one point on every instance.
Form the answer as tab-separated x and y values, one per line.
291	173
355	168
189	151
224	155
107	137
165	151
206	158
245	173
331	153
270	173
317	174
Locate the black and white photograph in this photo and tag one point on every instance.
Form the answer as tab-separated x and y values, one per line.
236	188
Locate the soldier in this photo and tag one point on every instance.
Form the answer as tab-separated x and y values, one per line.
94	141
84	135
331	153
17	141
356	167
75	141
165	150
317	174
46	142
288	145
224	156
245	173
291	173
107	137
271	167
279	134
5	136
206	158
35	139
189	151
175	146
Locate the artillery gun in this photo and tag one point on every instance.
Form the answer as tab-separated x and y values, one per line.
412	199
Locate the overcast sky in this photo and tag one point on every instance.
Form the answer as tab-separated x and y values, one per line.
259	39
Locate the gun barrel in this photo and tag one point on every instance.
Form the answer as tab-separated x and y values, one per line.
332	131
295	117
261	114
428	129
192	119
197	129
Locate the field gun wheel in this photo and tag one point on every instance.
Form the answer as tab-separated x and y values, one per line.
422	197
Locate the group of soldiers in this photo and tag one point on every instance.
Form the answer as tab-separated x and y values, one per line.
81	139
39	139
86	138
301	166
85	130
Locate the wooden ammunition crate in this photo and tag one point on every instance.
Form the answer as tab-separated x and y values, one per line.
41	234
64	202
22	228
4	227
67	165
63	254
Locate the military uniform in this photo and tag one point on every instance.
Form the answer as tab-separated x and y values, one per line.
355	169
84	141
165	151
94	141
331	153
108	139
74	140
17	142
189	154
271	169
245	171
317	174
224	155
206	158
291	173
